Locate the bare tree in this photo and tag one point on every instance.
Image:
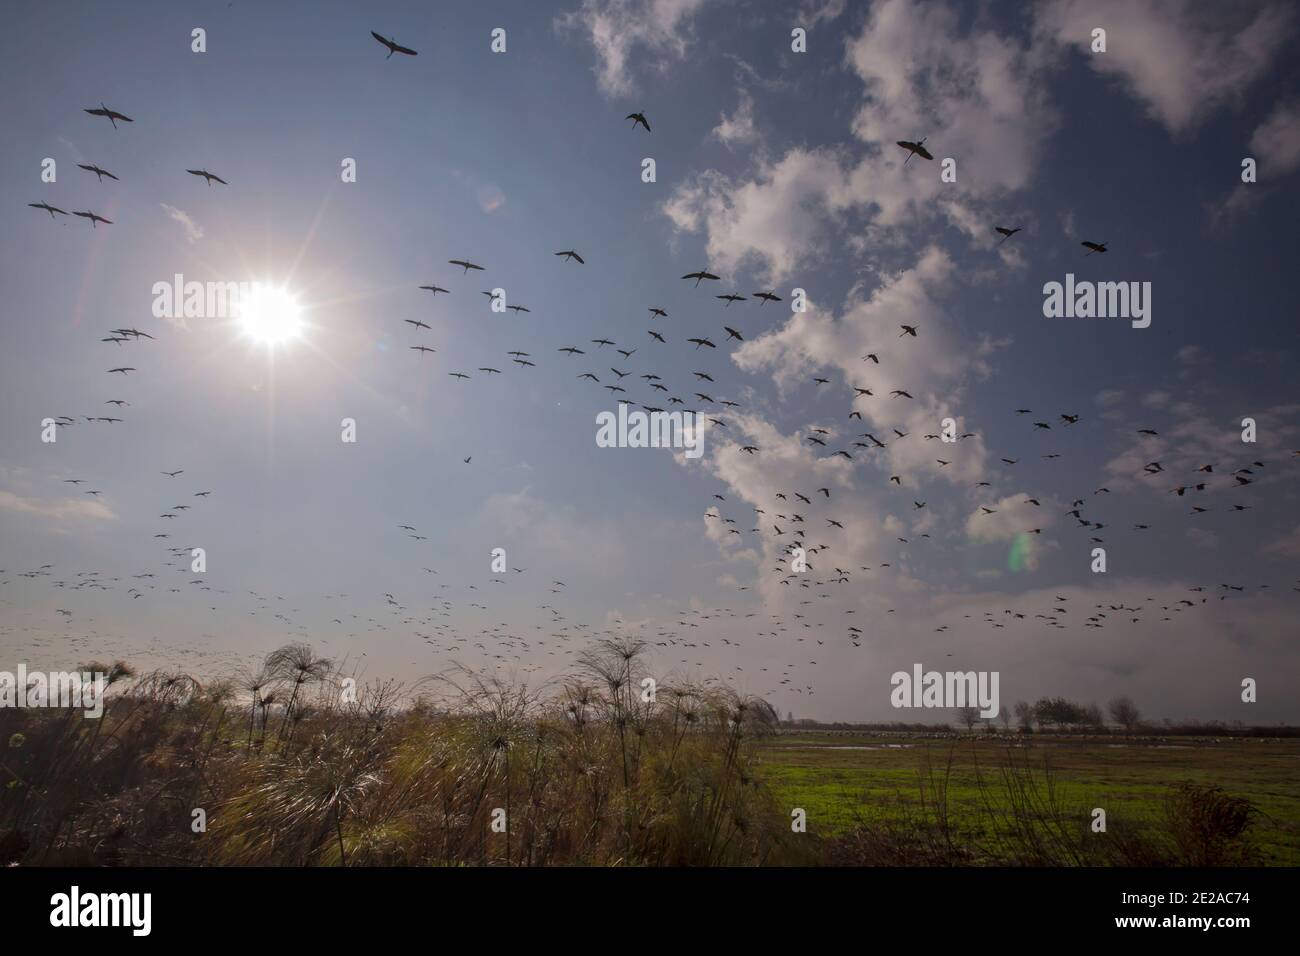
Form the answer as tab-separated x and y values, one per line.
969	716
1124	712
1025	715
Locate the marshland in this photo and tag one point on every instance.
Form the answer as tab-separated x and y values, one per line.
294	763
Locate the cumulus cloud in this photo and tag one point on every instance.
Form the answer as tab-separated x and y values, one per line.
659	30
922	68
1181	59
933	372
738	128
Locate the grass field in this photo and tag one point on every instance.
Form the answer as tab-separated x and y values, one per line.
845	779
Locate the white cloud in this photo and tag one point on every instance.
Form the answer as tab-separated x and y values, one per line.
1183	60
193	231
774	221
738	128
62	509
618	28
976	93
1276	142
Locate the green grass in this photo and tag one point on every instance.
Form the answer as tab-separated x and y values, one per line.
841	788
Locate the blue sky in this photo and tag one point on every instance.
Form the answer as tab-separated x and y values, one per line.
776	170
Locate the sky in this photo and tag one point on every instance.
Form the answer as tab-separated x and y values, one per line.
774	170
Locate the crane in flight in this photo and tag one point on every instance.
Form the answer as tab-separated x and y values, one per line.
48	208
914	149
638	118
731	297
112	115
1006	233
393	46
435	289
1093	247
207	175
464	264
100	173
570	254
93	218
699	276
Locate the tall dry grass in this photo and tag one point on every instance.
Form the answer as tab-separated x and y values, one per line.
291	771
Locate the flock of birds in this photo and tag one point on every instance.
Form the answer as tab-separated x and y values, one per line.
795	518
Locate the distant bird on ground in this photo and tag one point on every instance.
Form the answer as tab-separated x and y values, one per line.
638	118
207	176
914	149
112	115
393	46
99	173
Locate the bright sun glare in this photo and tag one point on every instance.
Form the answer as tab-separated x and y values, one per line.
270	315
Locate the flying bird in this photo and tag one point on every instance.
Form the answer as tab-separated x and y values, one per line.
570	254
1006	233
638	118
914	149
93	218
99	173
207	176
48	208
393	46
699	276
1093	247
112	115
464	265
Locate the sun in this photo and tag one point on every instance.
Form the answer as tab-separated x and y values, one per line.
270	315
